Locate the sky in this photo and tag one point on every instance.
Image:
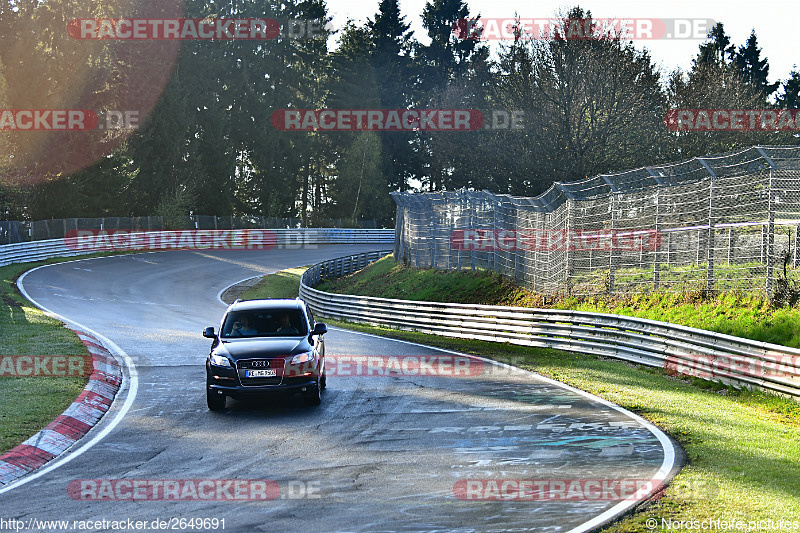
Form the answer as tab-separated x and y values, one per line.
775	23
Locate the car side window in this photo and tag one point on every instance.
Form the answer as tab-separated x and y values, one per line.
310	316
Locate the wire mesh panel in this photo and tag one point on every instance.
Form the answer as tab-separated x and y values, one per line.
721	222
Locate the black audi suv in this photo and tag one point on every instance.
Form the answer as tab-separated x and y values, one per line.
265	347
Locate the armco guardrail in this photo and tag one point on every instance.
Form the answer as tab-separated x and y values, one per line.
166	240
677	349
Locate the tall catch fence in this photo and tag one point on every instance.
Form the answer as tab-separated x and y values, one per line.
14	231
727	221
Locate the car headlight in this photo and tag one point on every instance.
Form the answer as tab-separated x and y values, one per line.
302	358
220	360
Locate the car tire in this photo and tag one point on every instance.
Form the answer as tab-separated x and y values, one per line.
314	396
216	402
323	379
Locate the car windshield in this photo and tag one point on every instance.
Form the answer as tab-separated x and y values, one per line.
264	323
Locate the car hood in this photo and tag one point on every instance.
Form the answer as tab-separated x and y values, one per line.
246	348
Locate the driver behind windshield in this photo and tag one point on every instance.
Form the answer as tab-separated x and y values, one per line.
242	328
285	327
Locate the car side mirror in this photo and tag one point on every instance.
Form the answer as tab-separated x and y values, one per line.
209	333
319	329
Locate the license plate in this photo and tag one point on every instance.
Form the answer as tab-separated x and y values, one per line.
260	373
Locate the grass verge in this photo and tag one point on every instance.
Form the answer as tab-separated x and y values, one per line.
743	314
282	284
742	446
27	404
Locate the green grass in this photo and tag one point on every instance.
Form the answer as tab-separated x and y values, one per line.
29	404
740	313
386	279
283	284
734	313
673	277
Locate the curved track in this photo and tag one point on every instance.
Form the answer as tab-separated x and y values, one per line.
382	453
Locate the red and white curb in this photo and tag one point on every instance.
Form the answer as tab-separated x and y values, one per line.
72	424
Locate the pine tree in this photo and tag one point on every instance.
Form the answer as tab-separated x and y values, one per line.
718	49
755	70
789	97
391	62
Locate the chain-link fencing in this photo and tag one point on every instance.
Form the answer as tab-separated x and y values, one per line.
721	222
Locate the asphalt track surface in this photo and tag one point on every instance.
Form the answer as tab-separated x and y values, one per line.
382	453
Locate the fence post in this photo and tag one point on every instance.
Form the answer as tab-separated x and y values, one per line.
537	274
568	259
770	235
493	254
669	247
698	256
417	248
518	274
398	229
796	243
462	208
435	239
612	202
472	258
657	236
730	246
710	243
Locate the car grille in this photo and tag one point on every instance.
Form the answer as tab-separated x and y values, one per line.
243	365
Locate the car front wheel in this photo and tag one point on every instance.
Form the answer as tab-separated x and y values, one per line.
216	401
313	396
